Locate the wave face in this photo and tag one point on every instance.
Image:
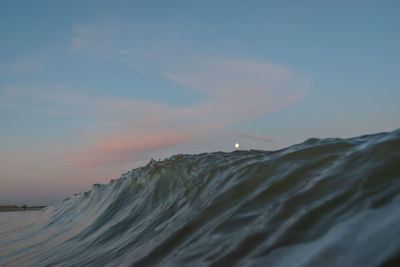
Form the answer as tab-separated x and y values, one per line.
325	202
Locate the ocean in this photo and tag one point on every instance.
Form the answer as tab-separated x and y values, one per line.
324	202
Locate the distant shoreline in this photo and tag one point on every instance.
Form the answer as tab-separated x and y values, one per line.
19	208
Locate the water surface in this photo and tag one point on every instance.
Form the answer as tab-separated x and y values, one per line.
325	202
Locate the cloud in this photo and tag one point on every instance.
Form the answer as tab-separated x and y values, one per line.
47	111
257	138
82	38
234	90
239	88
22	65
126	147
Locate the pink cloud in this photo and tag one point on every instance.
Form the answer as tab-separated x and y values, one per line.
128	130
239	88
122	132
129	147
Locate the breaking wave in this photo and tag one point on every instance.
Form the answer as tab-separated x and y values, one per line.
325	202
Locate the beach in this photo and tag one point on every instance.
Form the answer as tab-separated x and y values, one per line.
19	208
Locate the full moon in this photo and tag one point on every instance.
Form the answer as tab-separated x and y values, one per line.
237	145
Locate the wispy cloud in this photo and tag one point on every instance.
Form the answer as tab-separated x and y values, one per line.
21	65
82	38
47	111
257	138
127	147
239	88
234	90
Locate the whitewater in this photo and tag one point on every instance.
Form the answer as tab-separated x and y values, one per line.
324	202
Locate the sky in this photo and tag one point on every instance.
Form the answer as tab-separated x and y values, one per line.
92	89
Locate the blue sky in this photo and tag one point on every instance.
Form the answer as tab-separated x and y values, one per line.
90	89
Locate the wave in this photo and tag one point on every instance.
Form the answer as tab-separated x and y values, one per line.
324	202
